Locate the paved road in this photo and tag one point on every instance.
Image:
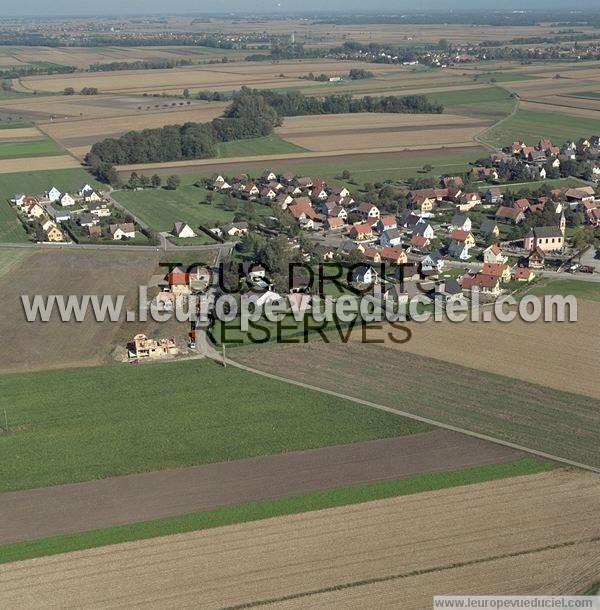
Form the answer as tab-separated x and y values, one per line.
62	509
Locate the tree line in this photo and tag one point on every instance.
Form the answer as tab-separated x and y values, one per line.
149	64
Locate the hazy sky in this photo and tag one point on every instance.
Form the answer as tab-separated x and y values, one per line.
91	7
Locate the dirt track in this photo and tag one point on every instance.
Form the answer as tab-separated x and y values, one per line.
502	529
69	508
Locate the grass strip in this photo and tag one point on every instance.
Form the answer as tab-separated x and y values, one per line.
272	508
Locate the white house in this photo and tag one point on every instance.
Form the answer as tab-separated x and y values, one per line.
125	229
459	249
86	189
433	262
364	274
424	229
390	237
66	200
101	209
19	199
182	229
493	254
53	194
460	221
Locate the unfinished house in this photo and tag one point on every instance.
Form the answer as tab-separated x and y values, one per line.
142	347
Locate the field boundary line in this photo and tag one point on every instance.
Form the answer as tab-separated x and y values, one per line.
391	577
210	352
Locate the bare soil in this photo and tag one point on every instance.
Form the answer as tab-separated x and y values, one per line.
61	509
502	529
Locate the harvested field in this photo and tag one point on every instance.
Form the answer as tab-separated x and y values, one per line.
580	108
20	134
345	132
26	164
562	571
78	135
61	108
56	344
83	57
433	533
50	511
534	416
214	77
510	348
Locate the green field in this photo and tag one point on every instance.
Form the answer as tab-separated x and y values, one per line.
267	145
11	229
556	422
112	420
267	509
34	148
532	186
12	95
531	125
465	101
161	208
363	170
15	125
579	289
37	182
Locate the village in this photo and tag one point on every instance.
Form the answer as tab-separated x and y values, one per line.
87	215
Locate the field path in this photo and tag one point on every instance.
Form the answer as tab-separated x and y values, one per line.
62	509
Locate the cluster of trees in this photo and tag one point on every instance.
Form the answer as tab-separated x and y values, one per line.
36	69
84	91
275	254
150	64
169	143
213	96
295	103
359	74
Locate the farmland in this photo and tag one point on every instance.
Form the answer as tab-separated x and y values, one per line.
35	148
536	416
79	134
11	229
55	344
220	78
361	132
371	166
267	145
531	125
246	512
404	546
65	415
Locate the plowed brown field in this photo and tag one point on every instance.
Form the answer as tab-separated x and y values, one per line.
376	131
433	533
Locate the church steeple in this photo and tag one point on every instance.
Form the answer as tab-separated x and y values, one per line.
562	223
